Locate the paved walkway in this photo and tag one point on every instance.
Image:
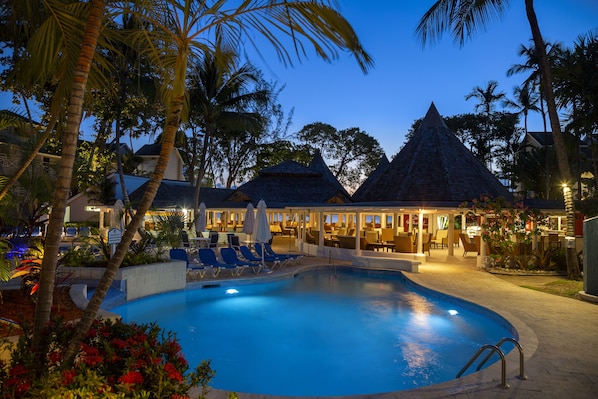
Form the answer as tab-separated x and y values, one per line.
559	336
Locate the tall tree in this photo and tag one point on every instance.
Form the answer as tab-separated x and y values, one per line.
236	151
576	88
81	70
533	84
487	97
531	66
462	18
221	94
353	153
525	100
180	31
24	31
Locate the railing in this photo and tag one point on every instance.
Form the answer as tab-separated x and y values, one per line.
522	375
496	349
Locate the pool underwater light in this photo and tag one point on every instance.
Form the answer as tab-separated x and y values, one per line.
453	312
231	291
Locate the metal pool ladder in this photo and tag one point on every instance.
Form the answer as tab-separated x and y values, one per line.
496	349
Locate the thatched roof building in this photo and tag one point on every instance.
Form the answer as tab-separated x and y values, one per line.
365	186
174	193
433	169
291	184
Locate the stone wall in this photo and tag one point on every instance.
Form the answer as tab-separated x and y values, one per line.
135	281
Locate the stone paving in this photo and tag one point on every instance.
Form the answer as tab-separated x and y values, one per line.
559	336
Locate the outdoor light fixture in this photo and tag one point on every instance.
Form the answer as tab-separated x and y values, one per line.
231	291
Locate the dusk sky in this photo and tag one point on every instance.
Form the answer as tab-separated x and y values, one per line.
406	79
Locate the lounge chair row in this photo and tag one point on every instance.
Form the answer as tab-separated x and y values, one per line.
229	260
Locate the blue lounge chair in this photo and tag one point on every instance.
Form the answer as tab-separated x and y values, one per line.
207	257
291	257
192	267
229	255
250	256
283	260
233	242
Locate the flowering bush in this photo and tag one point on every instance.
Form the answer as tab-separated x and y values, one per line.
509	229
116	360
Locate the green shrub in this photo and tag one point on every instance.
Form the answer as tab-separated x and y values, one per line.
78	256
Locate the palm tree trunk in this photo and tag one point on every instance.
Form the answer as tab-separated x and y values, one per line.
557	136
173	120
30	158
65	171
202	171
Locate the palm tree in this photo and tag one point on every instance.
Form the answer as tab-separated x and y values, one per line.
487	97
576	87
462	18
220	96
81	70
533	83
525	101
180	31
31	78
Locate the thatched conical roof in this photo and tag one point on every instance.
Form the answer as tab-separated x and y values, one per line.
317	163
382	165
434	169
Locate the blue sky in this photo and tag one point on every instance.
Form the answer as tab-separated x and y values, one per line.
406	78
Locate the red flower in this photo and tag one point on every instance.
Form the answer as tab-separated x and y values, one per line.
92	333
181	359
132	377
90	350
67	376
173	373
118	343
55	356
19	386
18	370
92	360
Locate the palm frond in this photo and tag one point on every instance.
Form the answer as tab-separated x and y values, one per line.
459	17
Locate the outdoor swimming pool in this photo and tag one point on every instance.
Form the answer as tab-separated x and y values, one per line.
323	333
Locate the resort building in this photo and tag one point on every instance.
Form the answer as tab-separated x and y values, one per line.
403	208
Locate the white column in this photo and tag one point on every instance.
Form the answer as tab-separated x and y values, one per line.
451	234
420	232
321	228
357	232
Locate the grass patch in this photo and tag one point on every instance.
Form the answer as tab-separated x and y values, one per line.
566	288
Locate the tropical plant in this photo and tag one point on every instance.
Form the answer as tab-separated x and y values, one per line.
5	267
525	101
169	226
179	31
115	360
221	98
507	227
462	18
533	84
84	47
576	88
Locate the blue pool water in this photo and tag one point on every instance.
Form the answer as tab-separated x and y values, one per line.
323	333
